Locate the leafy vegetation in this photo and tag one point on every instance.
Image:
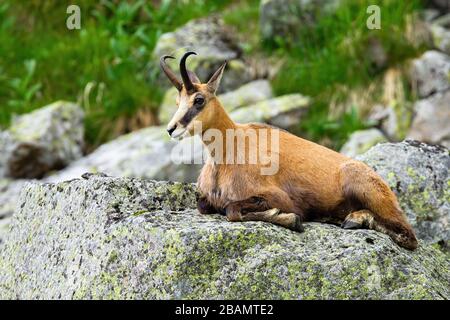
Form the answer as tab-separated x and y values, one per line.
108	67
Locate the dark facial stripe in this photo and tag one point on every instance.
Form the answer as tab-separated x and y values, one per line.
191	114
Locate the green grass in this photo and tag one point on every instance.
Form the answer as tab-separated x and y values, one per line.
244	17
335	49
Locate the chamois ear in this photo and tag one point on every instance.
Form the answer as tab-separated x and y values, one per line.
214	82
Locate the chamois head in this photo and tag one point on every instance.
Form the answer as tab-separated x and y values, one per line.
195	99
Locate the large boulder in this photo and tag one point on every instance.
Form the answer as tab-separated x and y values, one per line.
249	93
284	111
46	139
362	140
283	19
432	119
120	238
419	174
431	73
214	44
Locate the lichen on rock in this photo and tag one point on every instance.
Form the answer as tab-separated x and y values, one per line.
121	238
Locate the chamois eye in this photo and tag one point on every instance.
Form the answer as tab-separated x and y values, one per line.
199	101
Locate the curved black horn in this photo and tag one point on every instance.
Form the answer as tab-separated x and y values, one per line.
184	73
169	73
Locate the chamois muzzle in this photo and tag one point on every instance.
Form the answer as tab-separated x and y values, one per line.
184	72
169	73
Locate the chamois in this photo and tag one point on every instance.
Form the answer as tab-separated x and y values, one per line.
313	183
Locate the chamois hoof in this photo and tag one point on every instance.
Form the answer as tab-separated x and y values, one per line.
349	224
407	240
297	225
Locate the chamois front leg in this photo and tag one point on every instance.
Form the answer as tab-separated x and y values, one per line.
287	220
205	207
257	209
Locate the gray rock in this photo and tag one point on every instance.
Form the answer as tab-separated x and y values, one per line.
249	93
117	238
46	139
4	228
429	15
212	41
432	119
440	31
419	174
361	141
284	19
283	111
441	38
441	5
9	194
430	73
394	119
146	153
168	106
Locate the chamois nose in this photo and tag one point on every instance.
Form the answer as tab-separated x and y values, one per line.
171	130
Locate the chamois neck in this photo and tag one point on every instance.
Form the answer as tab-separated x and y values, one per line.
221	122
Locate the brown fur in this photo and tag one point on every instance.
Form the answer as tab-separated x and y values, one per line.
313	182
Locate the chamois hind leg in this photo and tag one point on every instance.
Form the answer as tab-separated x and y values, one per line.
358	220
364	219
362	184
257	209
